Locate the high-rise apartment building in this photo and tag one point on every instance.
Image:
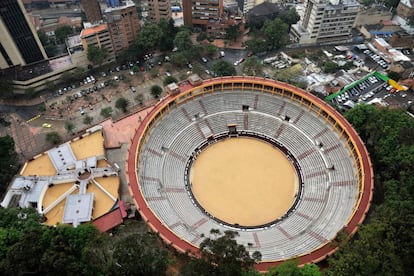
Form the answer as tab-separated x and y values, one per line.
159	9
199	14
326	21
98	36
123	24
19	43
92	10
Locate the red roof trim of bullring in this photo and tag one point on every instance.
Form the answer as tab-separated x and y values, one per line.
315	256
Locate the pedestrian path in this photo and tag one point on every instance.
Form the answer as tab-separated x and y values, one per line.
122	131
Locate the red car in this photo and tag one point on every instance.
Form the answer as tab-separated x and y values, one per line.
249	54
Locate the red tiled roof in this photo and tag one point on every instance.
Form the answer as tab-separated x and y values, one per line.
111	219
94	30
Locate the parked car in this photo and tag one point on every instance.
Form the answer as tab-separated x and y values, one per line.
133	89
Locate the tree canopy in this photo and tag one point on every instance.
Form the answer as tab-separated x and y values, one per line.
224	68
149	37
97	55
28	247
252	66
276	33
156	91
182	40
221	255
8	162
122	104
153	261
384	245
62	32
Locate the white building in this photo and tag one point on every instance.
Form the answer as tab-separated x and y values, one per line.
325	21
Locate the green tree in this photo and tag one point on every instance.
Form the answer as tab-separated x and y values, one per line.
53	137
51	50
106	112
61	33
156	91
224	68
210	50
233	32
169	79
220	256
140	254
367	2
182	40
149	37
202	36
154	72
139	98
256	45
168	31
291	17
122	104
384	245
88	120
43	38
97	55
276	33
8	162
69	126
330	67
253	66
179	59
291	268
394	75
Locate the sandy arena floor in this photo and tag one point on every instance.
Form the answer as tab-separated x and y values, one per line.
244	181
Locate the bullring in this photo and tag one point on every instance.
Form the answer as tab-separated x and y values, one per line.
333	167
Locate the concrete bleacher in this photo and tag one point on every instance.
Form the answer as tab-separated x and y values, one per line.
328	196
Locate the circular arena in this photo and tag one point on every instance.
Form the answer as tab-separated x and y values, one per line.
252	155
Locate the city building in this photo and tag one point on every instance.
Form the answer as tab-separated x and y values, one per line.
325	21
209	16
159	9
202	14
92	10
123	24
19	43
405	9
68	184
246	5
98	36
405	13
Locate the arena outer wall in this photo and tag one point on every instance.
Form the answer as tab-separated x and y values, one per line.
364	166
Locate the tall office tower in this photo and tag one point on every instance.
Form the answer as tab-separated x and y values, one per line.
326	21
92	10
123	25
199	14
159	9
19	43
